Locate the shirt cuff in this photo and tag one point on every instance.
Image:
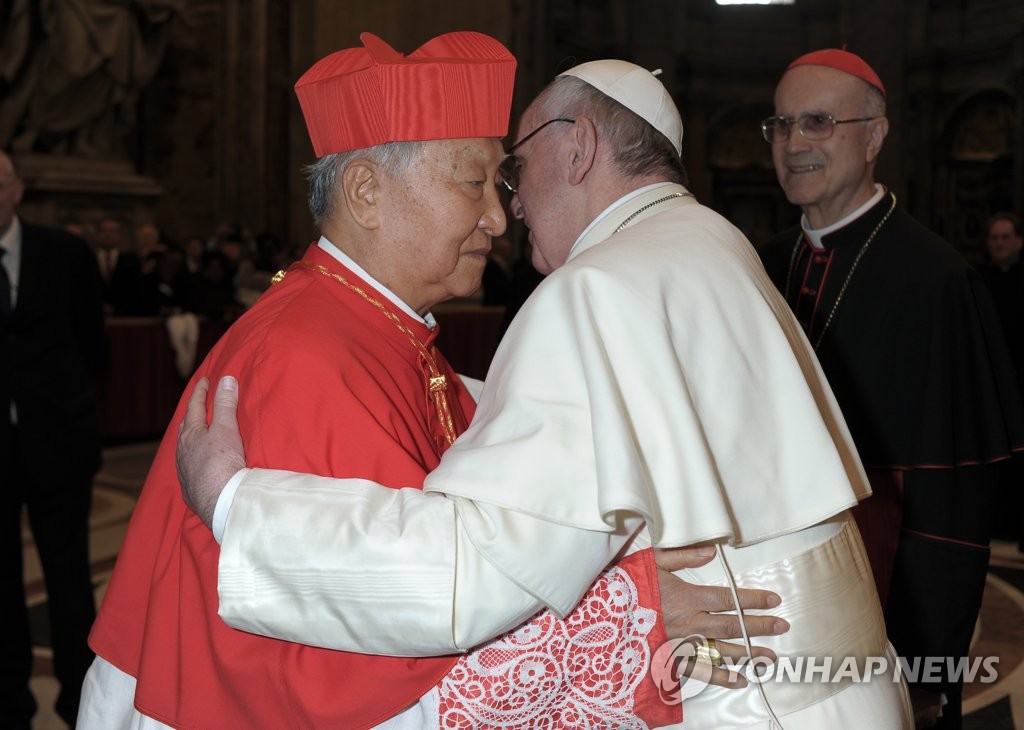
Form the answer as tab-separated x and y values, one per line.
227	497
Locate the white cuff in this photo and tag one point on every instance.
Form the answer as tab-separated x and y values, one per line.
224	502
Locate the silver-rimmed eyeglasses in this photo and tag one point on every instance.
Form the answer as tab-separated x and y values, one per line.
510	166
815	126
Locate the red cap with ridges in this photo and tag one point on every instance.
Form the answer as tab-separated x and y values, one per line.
454	86
841	60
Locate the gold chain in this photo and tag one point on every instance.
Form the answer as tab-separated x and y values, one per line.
849	275
649	205
438	383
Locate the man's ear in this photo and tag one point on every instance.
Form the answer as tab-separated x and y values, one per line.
360	190
583	151
877	130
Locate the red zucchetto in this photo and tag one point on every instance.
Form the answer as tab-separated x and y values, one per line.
453	86
841	60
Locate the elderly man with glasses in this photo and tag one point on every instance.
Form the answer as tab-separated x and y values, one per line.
655	390
908	338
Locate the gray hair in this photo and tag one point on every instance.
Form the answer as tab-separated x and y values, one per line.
638	148
325	174
875	101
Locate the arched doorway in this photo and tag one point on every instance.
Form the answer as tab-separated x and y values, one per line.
978	142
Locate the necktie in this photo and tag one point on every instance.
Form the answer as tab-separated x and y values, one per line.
5	288
107	259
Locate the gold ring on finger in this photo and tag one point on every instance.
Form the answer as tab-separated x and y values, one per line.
708	653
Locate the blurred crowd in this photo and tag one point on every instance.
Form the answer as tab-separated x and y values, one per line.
215	276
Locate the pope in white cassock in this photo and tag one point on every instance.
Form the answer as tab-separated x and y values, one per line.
654	390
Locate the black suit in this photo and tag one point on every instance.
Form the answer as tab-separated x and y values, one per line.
53	344
123	290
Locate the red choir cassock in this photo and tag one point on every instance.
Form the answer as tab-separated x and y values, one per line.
335	381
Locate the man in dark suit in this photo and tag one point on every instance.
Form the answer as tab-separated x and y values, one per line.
1003	274
121	271
51	329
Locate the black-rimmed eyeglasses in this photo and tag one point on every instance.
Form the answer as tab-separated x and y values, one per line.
510	166
814	127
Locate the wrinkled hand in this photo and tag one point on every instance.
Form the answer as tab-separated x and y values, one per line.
690	609
208	457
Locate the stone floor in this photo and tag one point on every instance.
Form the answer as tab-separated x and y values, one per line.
1000	630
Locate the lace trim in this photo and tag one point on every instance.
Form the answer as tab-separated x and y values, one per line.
579	672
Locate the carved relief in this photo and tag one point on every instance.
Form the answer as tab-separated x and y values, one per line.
71	72
984	131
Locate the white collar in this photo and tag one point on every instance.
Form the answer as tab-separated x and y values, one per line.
345	260
814	235
605	224
11	240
